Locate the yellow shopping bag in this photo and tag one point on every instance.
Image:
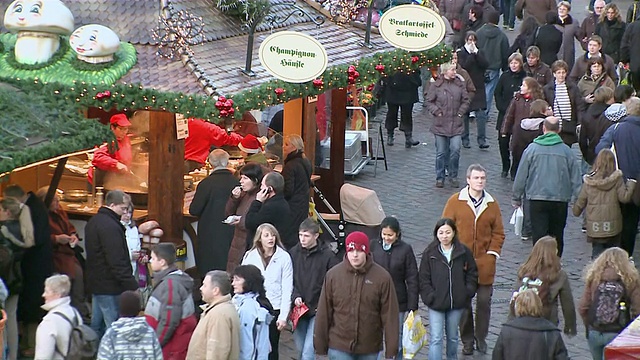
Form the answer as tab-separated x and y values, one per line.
414	336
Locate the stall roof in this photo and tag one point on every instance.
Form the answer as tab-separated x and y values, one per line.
214	66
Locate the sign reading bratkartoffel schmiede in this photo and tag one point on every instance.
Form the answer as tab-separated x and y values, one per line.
293	57
412	27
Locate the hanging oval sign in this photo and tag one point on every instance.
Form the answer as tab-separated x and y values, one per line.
412	27
293	57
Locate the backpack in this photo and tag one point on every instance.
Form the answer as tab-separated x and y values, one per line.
605	313
83	341
538	286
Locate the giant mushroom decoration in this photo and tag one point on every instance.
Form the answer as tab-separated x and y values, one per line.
39	24
94	43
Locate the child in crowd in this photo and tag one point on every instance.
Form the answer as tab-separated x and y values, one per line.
130	337
602	192
170	309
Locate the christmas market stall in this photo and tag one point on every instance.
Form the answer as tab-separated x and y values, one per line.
160	65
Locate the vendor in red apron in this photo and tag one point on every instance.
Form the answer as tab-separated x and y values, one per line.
111	157
203	135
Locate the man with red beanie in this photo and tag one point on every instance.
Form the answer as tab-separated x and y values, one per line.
112	157
354	292
203	135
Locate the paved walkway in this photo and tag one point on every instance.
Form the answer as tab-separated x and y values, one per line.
408	192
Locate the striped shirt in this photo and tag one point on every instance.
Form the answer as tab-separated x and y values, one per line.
562	103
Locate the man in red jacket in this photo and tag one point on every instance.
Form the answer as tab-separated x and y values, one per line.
110	157
202	135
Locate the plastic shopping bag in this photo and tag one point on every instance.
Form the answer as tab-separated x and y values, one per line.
414	336
517	218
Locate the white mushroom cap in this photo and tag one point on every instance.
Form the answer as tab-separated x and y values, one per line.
94	40
50	16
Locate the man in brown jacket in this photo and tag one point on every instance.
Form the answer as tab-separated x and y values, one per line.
353	293
477	216
217	336
535	8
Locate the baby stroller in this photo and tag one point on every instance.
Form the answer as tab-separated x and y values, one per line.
361	211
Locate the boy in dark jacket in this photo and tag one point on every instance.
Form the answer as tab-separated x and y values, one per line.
170	309
311	261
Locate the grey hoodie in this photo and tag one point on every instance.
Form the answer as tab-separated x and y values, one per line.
130	338
494	44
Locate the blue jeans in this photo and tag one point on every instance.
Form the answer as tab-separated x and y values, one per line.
303	337
490	87
438	323
401	317
447	155
597	341
481	125
341	355
104	311
509	13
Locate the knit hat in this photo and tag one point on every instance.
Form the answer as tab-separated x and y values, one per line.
357	240
615	112
120	120
250	144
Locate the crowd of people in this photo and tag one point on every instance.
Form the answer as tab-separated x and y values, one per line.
263	268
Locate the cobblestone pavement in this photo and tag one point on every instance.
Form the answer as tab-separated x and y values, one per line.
407	190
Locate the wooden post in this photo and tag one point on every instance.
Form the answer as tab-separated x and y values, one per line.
309	130
332	179
166	184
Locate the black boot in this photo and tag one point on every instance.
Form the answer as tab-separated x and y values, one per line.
390	138
409	142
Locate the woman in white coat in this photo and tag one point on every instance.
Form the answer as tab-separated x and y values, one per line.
268	255
52	336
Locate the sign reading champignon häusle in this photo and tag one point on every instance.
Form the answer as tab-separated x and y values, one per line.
412	27
293	57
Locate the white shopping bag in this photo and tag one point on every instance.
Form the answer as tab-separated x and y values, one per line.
517	219
414	336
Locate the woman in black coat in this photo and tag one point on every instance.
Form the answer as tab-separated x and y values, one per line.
549	39
397	257
401	91
611	28
529	335
475	63
508	84
448	278
297	172
528	30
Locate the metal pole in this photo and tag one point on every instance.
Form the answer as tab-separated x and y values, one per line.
247	67
367	35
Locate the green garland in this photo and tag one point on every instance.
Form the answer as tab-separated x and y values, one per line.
66	103
65	68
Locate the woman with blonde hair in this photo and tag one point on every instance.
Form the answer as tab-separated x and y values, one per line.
542	271
613	272
297	173
273	261
523	336
610	28
602	192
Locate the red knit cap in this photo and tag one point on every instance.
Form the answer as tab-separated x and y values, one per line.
120	120
357	240
250	144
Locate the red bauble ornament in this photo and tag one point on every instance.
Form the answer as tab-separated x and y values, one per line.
107	93
318	83
380	68
279	91
219	105
222	98
414	59
228	103
224	113
352	80
356	75
231	111
351	70
370	87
